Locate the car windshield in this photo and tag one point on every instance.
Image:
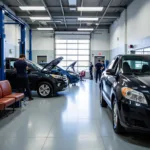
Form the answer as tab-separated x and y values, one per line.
35	65
138	65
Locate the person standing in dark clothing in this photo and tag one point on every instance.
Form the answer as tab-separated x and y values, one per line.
22	77
98	68
91	71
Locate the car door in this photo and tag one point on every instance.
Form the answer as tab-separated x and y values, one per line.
11	73
110	79
33	76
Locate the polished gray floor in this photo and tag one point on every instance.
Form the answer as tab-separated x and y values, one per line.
73	120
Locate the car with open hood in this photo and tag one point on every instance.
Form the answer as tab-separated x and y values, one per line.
125	88
72	76
41	78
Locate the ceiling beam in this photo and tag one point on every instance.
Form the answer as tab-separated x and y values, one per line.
70	15
43	1
81	11
104	13
63	13
51	7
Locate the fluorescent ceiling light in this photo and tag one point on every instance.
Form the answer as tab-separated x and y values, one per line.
72	2
87	19
40	18
44	29
34	8
85	29
90	8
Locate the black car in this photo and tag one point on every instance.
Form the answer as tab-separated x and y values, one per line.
40	78
125	88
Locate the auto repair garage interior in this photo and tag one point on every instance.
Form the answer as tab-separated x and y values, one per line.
59	39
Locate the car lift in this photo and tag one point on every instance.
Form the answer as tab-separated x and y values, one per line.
4	11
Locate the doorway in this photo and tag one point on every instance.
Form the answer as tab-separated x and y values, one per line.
97	58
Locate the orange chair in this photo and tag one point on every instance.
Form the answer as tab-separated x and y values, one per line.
7	91
5	102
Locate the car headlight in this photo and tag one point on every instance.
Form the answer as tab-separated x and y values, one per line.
56	76
133	95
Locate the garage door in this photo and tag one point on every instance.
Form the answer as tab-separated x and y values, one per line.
72	50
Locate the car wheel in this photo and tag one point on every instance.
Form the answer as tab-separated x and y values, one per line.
102	101
45	89
116	121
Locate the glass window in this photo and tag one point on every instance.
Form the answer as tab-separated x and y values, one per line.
69	62
72	52
139	65
83	58
84	41
83	63
112	64
12	64
62	52
60	46
72	41
72	58
83	68
63	63
61	41
83	46
72	46
83	52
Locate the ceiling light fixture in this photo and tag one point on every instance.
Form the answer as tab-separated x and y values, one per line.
40	18
45	29
85	29
87	19
90	8
34	8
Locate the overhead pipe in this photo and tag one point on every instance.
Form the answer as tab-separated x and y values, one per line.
48	11
104	13
63	13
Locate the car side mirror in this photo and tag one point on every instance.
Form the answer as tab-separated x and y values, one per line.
110	72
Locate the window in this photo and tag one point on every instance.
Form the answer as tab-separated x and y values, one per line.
138	64
60	46
112	64
72	46
62	52
83	46
74	50
83	52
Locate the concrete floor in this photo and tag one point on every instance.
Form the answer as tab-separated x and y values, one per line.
72	121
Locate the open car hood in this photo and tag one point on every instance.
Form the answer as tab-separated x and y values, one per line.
53	63
72	65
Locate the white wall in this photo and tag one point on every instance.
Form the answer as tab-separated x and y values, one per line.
138	24
132	28
100	43
118	36
42	45
12	33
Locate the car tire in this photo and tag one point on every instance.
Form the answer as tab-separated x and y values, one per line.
45	89
116	121
102	101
